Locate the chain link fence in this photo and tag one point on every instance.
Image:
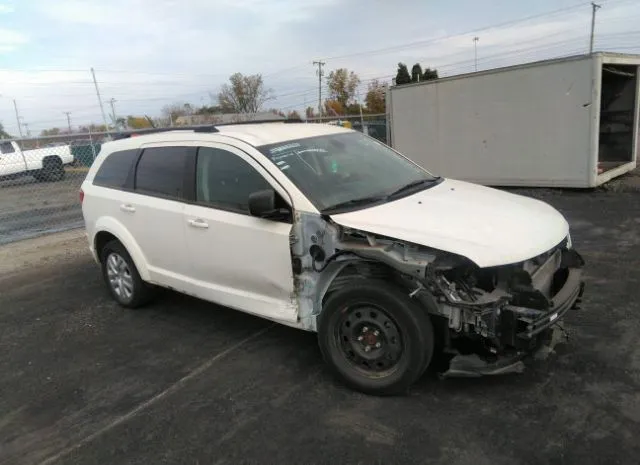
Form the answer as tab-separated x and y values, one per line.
374	125
40	178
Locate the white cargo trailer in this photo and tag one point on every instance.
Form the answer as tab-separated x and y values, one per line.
569	122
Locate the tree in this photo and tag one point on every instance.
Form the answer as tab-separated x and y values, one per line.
293	114
209	110
309	112
138	122
430	74
4	134
333	108
177	109
403	76
243	94
342	86
416	73
50	132
375	98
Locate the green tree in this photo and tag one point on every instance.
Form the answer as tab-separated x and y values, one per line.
402	76
50	132
416	73
333	108
4	134
243	94
430	74
342	85
375	98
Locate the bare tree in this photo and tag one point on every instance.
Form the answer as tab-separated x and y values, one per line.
243	94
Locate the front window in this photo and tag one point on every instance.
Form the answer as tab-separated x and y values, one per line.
342	172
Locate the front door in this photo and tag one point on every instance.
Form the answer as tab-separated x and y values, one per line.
237	260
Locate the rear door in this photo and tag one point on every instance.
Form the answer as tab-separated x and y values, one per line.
238	260
11	160
153	211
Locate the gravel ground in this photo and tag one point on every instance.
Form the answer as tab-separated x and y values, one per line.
183	381
29	208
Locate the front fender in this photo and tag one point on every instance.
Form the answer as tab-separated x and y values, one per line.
113	226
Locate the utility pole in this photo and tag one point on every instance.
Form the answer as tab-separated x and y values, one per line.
594	8
475	51
68	113
113	110
320	73
15	106
104	118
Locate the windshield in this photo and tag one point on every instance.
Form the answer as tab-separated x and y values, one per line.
347	171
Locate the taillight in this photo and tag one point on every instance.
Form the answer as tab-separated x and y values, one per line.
81	195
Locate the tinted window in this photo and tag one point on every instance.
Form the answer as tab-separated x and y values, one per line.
115	168
226	180
6	147
161	171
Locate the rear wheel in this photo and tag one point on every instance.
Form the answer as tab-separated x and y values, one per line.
52	170
375	338
122	277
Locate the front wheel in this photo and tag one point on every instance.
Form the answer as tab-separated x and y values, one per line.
375	338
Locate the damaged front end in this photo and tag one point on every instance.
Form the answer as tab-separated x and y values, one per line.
489	319
497	317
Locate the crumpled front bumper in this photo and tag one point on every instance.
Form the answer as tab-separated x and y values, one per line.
533	335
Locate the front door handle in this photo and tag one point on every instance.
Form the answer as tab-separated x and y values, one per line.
125	207
198	223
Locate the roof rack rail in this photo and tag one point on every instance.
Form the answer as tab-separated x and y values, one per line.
199	128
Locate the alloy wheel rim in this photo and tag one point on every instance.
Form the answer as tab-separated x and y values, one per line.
119	276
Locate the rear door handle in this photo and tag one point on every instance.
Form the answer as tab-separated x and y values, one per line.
127	208
198	223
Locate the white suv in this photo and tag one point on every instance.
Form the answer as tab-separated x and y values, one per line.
325	229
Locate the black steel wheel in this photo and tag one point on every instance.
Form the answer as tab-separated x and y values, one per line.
375	338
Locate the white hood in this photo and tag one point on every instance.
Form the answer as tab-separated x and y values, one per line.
488	226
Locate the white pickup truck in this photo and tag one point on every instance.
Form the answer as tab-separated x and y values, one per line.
44	164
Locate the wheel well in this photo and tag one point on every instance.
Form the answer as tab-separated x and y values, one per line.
53	158
102	238
358	270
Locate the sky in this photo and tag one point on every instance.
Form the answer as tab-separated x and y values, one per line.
150	53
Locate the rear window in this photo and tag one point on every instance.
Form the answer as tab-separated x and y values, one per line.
115	169
161	172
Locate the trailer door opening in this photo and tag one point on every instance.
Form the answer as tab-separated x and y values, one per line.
617	114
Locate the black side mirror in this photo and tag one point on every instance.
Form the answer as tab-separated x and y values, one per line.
263	205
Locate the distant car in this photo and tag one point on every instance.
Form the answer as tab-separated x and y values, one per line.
44	164
325	229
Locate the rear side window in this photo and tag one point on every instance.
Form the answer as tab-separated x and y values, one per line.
115	169
161	172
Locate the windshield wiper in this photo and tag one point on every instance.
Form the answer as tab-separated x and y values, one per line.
354	203
411	186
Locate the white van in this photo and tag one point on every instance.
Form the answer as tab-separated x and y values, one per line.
325	229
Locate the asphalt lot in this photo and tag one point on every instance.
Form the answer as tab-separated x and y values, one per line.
29	208
183	381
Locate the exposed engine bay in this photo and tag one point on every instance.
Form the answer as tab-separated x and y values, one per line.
488	319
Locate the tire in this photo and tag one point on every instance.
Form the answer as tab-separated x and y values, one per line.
52	169
375	338
122	278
